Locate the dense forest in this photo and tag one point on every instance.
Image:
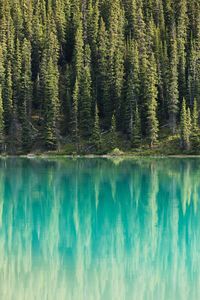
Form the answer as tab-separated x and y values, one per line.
76	71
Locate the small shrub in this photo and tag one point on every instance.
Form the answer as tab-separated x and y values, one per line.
116	152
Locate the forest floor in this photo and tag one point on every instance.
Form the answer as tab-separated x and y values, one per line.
168	145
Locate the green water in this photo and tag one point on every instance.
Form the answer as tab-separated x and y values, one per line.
96	229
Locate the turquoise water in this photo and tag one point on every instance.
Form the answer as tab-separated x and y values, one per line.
99	229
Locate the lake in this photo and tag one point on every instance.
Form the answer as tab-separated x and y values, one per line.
100	229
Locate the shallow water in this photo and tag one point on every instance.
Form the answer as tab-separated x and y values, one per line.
99	229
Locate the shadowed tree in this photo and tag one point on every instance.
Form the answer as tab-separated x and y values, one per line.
96	134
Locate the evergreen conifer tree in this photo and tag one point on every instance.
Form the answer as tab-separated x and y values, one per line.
2	133
74	116
173	82
195	118
49	76
85	103
136	133
103	96
96	134
25	100
151	103
8	97
79	51
113	133
185	126
132	87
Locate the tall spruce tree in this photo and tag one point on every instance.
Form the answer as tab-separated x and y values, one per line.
25	100
173	97
96	134
116	54
85	103
189	122
16	74
185	126
113	133
151	103
136	132
74	115
49	77
103	96
8	97
132	87
79	51
195	118
2	132
182	21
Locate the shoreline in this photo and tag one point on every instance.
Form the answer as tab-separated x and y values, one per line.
125	156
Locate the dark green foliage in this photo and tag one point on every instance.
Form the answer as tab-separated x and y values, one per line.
173	97
1	123
74	116
132	86
96	134
103	96
8	97
49	78
195	118
136	132
151	103
113	133
85	103
186	126
25	101
134	60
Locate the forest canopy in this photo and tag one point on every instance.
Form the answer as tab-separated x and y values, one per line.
71	70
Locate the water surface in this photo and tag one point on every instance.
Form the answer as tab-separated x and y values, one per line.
99	229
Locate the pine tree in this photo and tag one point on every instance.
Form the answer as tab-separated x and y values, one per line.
136	133
116	55
59	11
173	83
15	128
132	88
16	75
189	122
8	97
17	18
163	81
27	12
103	96
192	73
130	15
49	77
182	21
49	85
96	134
197	46
25	100
79	51
113	133
93	24
151	103
195	118
74	116
85	103
140	29
185	126
2	68
2	133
